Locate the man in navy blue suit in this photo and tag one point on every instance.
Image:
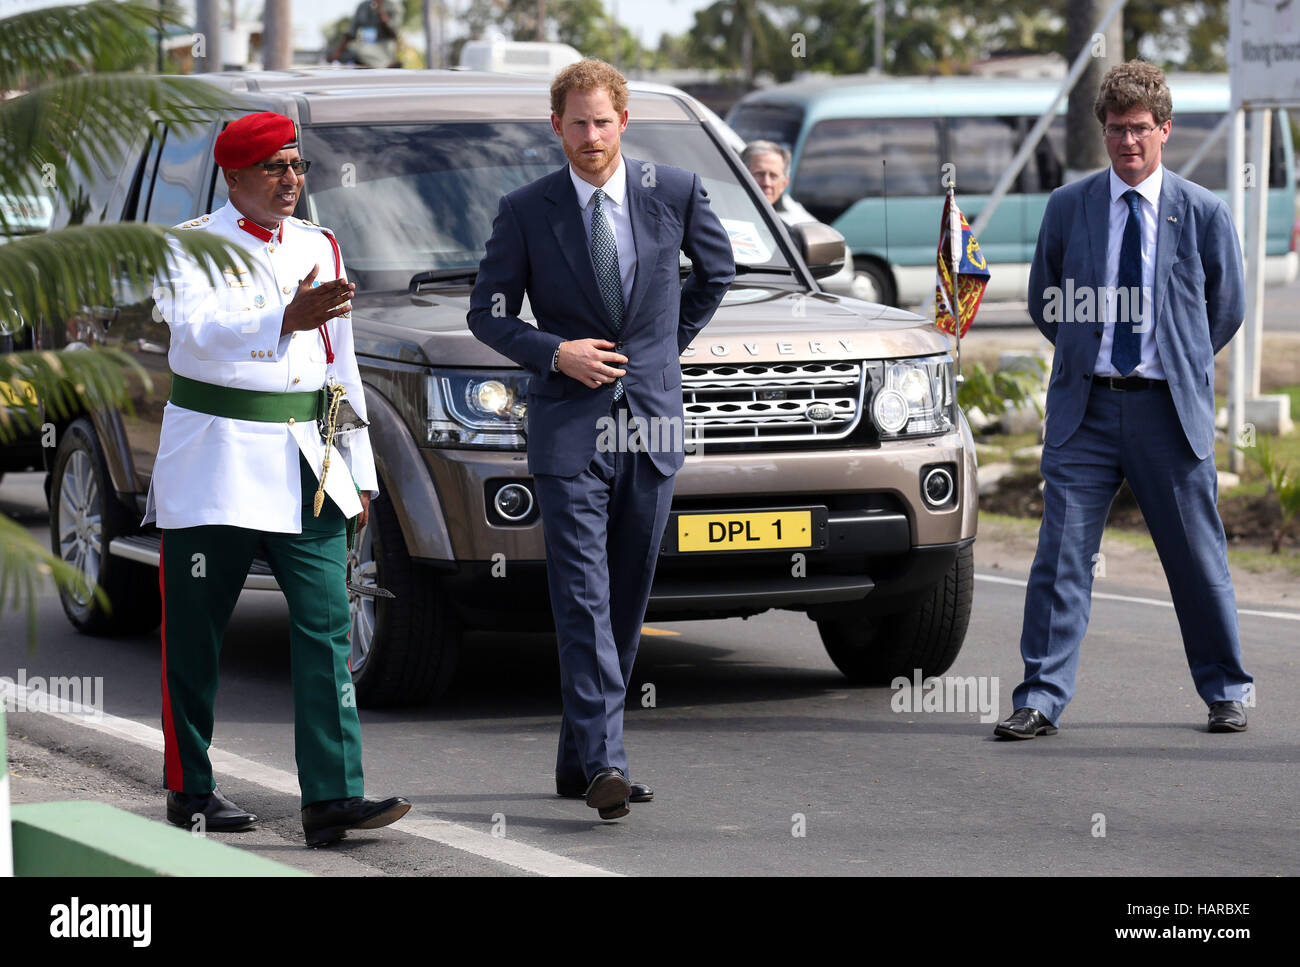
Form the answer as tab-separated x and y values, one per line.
595	247
1137	281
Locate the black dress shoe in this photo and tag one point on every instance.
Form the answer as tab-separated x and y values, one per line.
327	821
608	793
1024	723
1227	717
219	813
570	788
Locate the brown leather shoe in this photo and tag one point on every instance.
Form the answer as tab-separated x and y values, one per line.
608	793
570	788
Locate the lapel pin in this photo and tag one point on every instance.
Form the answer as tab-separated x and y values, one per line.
1173	219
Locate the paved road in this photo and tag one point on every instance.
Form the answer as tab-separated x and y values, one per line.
754	737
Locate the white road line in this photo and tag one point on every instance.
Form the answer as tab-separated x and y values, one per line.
1020	583
519	855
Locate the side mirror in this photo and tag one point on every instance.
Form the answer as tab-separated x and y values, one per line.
820	246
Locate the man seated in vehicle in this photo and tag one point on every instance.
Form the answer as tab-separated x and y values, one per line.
769	165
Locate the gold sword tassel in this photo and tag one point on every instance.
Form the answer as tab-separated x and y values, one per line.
336	394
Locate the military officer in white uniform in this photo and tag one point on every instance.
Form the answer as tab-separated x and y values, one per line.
257	359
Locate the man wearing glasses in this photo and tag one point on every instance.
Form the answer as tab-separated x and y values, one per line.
240	474
1131	398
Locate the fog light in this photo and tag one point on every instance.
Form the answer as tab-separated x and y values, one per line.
937	487
514	502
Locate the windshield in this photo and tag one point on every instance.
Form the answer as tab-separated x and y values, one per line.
412	198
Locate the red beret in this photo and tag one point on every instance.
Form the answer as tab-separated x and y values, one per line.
254	138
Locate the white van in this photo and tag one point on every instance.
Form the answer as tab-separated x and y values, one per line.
517	57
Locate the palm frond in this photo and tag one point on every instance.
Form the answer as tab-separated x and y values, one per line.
59	41
52	136
34	385
58	274
24	565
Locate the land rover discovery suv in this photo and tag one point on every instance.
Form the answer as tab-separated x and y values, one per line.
829	469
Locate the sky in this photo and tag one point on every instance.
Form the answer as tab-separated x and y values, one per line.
650	19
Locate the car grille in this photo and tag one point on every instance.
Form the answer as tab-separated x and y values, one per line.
761	403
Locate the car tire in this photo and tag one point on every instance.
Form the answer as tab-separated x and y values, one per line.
404	648
85	518
876	649
873	282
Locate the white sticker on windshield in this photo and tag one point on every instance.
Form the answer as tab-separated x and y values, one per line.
746	244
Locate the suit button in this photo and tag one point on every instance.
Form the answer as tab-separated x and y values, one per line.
1097	334
1087	376
297	380
253	353
293	335
291	421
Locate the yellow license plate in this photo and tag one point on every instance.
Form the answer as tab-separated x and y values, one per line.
23	394
744	532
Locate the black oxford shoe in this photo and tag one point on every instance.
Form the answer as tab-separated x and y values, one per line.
1227	717
571	788
1024	723
219	813
608	793
327	821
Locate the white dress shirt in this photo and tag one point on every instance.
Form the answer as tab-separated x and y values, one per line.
243	473
616	211
1149	220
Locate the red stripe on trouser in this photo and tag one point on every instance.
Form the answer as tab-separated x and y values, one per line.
173	773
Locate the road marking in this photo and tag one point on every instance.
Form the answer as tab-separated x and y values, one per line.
520	855
1020	583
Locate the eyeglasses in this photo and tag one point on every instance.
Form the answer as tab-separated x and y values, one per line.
276	169
1140	132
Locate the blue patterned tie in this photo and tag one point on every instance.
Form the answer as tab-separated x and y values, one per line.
604	255
1126	347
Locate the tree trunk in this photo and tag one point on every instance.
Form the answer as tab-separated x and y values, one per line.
277	35
1085	151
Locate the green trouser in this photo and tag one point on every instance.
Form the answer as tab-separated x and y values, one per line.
201	574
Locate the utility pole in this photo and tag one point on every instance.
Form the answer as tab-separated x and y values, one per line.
1084	149
541	21
277	36
432	37
878	54
207	22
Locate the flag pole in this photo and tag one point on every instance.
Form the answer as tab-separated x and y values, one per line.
954	253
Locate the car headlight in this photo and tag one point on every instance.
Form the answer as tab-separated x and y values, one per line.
916	397
477	409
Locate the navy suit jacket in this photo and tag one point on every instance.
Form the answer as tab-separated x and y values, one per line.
539	247
1198	296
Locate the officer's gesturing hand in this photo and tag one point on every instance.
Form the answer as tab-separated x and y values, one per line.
313	306
588	361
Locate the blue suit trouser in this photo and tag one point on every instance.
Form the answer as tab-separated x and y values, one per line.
603	529
1134	436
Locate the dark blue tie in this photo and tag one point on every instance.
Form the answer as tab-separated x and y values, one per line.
1126	347
604	255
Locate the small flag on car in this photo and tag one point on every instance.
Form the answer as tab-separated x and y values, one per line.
963	273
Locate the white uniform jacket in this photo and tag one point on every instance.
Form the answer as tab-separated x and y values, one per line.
213	470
